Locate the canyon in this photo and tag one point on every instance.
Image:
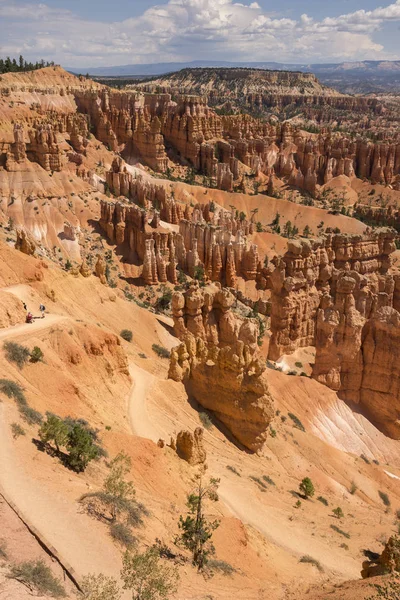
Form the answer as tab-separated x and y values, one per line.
222	291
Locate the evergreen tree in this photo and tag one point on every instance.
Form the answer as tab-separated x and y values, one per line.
196	529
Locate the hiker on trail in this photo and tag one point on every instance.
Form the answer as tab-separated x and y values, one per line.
42	308
25	306
29	317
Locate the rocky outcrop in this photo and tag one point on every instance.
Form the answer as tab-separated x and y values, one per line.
25	242
387	563
100	269
218	362
190	446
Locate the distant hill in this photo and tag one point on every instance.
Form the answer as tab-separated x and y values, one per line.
348	77
366	67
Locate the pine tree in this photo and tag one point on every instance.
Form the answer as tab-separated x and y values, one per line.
196	529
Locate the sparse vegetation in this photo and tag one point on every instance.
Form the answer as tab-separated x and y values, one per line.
259	482
16	353
37	577
344	546
297	423
353	488
13	390
161	351
323	500
312	561
3	550
233	469
340	531
126	335
122	534
205	420
147	577
268	479
365	459
384	497
196	529
307	488
17	430
221	566
272	432
100	587
30	415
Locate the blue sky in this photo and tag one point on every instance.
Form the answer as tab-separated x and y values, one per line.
83	33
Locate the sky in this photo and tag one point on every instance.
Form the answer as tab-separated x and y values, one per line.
94	33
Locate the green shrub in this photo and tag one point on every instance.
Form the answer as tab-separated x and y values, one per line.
54	430
146	572
298	504
13	390
233	469
17	430
296	421
37	575
164	302
272	432
205	420
384	497
312	561
16	353
299	365
36	355
81	448
323	500
30	415
340	531
161	351
126	335
338	512
122	534
306	487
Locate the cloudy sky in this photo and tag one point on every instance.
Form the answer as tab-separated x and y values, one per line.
85	33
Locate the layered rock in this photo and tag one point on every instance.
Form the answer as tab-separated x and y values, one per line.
218	362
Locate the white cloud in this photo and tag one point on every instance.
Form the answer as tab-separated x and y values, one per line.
188	30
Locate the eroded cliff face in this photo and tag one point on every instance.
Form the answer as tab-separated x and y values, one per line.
337	294
216	242
218	362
